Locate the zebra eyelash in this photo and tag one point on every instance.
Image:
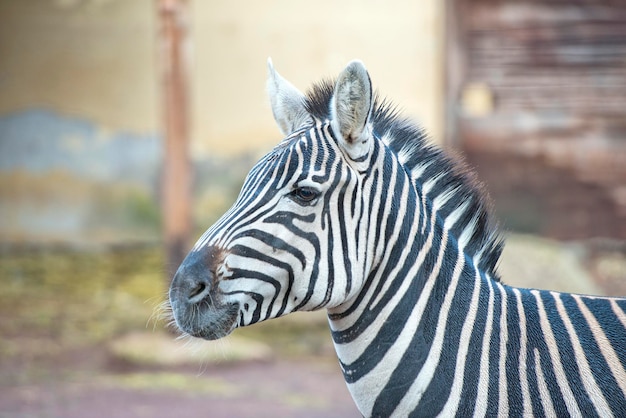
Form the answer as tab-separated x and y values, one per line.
304	196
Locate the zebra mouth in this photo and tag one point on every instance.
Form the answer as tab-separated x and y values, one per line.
207	321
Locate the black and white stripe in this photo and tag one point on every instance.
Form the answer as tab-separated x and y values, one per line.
354	212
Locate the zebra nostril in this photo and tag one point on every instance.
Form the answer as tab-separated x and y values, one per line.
197	290
198	293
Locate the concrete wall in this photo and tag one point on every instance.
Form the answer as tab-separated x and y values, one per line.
96	60
79	96
399	41
90	59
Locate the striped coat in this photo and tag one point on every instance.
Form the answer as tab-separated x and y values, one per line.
354	212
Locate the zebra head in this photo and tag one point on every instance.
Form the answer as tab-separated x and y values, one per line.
293	240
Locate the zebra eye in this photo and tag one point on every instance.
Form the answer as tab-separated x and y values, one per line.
304	195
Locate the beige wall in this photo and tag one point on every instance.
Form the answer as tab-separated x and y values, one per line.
91	59
96	59
399	41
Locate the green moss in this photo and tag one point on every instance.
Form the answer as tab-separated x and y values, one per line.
79	297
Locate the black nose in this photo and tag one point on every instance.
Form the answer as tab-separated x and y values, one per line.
198	291
192	282
199	308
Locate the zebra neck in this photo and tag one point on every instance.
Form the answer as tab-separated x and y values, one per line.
466	342
391	334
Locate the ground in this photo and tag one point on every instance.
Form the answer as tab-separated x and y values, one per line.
248	389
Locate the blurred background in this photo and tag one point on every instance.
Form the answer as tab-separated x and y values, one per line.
127	127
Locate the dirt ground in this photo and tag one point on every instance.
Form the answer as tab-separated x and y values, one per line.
259	389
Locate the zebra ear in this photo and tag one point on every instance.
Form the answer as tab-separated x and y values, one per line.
351	107
287	102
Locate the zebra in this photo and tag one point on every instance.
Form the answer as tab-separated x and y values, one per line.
356	212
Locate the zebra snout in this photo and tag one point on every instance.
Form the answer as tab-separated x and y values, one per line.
199	308
194	281
191	286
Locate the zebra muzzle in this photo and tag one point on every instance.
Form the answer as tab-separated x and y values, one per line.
199	308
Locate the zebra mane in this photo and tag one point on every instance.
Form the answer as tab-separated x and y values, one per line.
435	172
